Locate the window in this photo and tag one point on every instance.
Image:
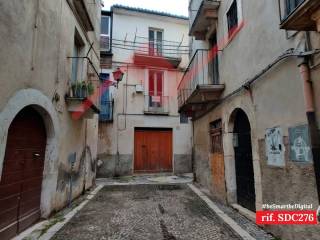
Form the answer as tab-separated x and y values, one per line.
155	88
155	42
105	33
105	25
232	18
77	62
216	136
291	5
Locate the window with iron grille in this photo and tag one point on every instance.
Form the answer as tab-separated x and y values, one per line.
291	5
232	17
216	136
184	118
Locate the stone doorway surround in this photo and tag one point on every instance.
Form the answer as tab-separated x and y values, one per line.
43	105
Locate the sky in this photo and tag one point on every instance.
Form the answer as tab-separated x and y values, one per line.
178	7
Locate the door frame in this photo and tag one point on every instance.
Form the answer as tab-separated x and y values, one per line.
43	105
152	129
229	154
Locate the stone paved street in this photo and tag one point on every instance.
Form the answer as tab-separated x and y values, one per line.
168	212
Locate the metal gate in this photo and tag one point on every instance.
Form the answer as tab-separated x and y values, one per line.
21	178
244	162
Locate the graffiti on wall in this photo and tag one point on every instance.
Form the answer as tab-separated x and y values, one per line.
300	150
275	147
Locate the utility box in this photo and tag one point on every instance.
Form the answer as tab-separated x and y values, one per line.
139	88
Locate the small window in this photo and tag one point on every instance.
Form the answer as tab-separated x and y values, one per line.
105	25
77	62
232	17
184	118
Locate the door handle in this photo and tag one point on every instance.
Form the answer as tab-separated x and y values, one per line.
35	155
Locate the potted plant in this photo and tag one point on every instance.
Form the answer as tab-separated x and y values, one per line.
90	89
83	89
73	92
78	90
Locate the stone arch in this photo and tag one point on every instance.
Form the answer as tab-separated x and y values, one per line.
230	116
43	105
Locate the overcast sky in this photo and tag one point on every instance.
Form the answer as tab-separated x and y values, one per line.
178	7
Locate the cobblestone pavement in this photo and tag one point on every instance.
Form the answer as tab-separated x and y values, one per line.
153	212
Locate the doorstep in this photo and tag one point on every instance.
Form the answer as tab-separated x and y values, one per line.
245	212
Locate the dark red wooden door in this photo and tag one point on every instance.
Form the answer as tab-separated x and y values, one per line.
153	150
21	179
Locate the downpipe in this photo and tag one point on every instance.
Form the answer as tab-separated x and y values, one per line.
311	117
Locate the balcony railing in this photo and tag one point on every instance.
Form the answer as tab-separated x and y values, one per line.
105	43
300	15
200	83
203	16
162	53
156	105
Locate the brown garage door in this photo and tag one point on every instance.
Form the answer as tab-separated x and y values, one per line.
153	150
21	179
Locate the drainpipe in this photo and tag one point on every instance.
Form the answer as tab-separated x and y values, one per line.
312	121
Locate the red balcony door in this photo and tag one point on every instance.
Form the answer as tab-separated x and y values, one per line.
155	88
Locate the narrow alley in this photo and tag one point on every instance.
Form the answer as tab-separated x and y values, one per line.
159	120
137	212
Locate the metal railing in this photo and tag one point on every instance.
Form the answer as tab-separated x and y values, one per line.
156	104
142	45
105	43
202	70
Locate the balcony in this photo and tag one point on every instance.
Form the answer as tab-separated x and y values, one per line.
200	83
81	6
105	43
82	98
165	54
300	15
203	17
156	105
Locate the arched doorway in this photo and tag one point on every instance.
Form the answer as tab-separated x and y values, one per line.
22	173
243	161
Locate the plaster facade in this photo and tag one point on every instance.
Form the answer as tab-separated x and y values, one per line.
275	100
116	139
37	41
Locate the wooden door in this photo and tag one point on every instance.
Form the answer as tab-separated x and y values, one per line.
21	179
153	150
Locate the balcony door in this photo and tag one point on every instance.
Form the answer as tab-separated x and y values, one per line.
214	62
155	89
155	42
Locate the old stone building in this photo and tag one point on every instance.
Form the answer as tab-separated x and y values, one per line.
140	130
252	90
48	127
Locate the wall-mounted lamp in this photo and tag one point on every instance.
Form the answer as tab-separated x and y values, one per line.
118	75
